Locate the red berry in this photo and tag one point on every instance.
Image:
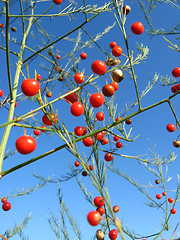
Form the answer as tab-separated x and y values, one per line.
44	128
77	109
118	118
164	193
79	78
176	72
36	132
57	69
15	105
137	28
90	167
71	97
104	141
158	196
119	144
83	55
115	208
57	2
94	218
174	88
79	131
1	92
170	200
113	234
108	90
96	100
170	127
47	120
38	77
88	141
84	131
30	87
173	210
1	25
98	67
100	116
108	157
115	85
117	51
58	56
126	9
100	210
6	206
76	163
116	138
99	201
178	87
99	136
3	200
112	44
25	144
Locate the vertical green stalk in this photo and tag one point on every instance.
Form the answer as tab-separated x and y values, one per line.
23	26
7	49
170	105
132	70
129	55
14	92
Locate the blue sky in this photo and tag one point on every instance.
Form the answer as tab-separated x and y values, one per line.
150	125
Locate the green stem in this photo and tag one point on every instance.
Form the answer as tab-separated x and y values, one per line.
84	3
11	109
177	122
129	56
23	26
7	50
132	70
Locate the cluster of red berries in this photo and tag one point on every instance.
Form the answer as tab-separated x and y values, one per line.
175	88
176	74
84	173
6	205
27	144
170	200
79	77
171	128
94	217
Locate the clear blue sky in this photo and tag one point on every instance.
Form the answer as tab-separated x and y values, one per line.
149	125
